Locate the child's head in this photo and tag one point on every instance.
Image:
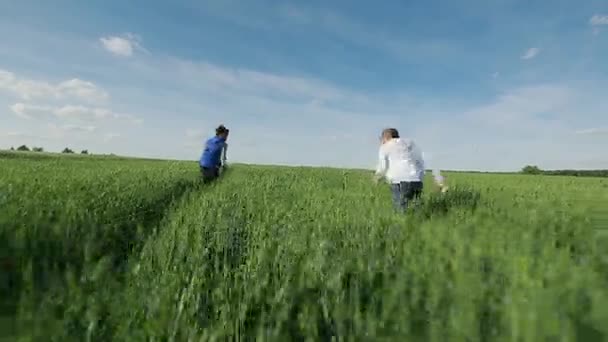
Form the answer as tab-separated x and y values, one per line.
222	132
388	134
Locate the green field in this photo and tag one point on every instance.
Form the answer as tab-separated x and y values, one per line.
101	248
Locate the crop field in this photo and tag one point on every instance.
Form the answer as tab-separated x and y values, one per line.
99	249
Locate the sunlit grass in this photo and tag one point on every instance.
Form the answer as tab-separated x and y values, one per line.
138	250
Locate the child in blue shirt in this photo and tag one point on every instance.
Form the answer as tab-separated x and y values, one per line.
213	159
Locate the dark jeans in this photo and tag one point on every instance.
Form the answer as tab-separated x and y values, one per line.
209	173
405	192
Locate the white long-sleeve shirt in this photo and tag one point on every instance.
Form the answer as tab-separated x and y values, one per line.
400	160
224	152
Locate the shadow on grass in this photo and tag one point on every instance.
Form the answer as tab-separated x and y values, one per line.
68	275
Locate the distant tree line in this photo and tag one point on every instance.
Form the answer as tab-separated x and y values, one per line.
24	148
535	170
528	169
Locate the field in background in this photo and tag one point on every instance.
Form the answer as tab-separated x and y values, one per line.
110	248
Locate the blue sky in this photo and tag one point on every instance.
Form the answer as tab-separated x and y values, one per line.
482	85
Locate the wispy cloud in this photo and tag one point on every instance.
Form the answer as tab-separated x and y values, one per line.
50	135
321	121
54	132
593	131
70	112
122	46
362	34
523	103
64	110
531	53
13	134
195	134
110	136
28	111
598	20
531	124
214	78
62	131
194	138
80	128
28	89
297	106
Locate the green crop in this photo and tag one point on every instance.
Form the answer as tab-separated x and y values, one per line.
129	250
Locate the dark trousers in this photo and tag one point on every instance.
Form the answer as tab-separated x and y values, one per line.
209	173
404	193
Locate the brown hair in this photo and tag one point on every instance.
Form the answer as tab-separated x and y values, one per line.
221	129
390	132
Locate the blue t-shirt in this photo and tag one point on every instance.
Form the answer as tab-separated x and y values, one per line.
213	152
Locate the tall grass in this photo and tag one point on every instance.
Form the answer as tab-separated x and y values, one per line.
62	220
310	254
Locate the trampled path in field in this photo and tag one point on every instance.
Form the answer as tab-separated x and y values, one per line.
139	250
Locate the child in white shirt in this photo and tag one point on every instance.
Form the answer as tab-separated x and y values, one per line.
401	163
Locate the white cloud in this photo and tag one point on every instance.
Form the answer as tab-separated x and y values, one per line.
598	20
110	136
220	80
55	121
213	90
292	16
79	128
593	131
194	138
531	53
522	104
83	113
359	33
28	89
123	46
193	145
51	132
14	134
309	111
524	125
194	133
6	77
63	131
251	105
81	89
70	112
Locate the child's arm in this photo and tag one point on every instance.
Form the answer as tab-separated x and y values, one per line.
382	164
224	152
